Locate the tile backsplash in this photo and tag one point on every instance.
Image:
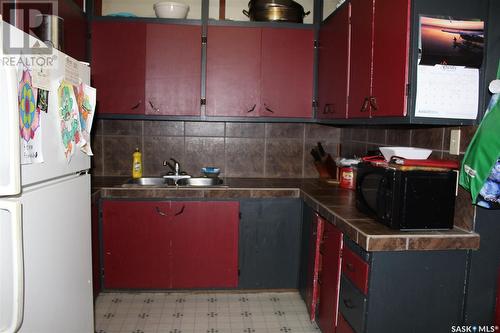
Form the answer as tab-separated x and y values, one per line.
277	150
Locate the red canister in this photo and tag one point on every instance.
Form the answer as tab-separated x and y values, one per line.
347	178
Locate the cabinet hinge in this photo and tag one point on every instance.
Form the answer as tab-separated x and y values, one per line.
239	214
407	89
203	101
316	43
204	39
315	104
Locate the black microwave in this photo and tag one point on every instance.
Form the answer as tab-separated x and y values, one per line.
407	200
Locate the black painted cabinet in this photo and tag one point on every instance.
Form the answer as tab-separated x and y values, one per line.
269	254
408	291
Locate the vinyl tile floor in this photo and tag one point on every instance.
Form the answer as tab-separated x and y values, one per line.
202	312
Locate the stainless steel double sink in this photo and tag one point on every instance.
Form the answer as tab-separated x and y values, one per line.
165	182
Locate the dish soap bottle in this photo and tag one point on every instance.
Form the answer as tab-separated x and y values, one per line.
137	164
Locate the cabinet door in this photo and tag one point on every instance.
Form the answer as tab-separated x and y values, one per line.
390	41
270	243
334	39
233	71
497	310
118	66
205	244
136	245
287	72
361	58
312	288
173	69
330	278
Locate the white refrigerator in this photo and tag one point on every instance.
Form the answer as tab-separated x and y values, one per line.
45	220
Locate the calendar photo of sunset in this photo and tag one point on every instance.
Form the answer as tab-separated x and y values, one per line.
451	42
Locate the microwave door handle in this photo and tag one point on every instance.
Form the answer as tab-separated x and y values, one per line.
14	207
10	181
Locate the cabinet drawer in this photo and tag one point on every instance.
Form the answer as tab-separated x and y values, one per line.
352	305
343	326
356	269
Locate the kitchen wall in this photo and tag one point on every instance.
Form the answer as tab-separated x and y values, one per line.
356	141
276	150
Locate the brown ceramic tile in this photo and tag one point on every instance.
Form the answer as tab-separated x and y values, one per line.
228	194
284	158
430	138
160	148
322	132
275	193
359	134
346	149
386	244
97	160
362	240
163	128
377	136
201	152
347	229
358	150
346	134
285	130
244	157
118	152
466	137
245	130
204	129
398	137
97	127
464	210
443	243
122	127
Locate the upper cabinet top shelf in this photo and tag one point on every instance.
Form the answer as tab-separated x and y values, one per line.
227	11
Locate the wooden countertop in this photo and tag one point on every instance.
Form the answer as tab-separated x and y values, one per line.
335	204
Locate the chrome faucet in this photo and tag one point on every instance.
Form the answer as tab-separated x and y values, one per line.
176	169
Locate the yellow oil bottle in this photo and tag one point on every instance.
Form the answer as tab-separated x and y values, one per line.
137	164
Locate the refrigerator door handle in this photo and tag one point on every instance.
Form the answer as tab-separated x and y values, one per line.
14	208
10	164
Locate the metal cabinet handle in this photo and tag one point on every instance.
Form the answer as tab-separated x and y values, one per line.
267	108
159	211
366	104
373	103
136	106
252	109
327	109
348	303
180	211
155	109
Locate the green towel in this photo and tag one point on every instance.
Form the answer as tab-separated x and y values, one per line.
483	151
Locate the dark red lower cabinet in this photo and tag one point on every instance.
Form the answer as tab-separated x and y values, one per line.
170	244
312	288
343	326
329	278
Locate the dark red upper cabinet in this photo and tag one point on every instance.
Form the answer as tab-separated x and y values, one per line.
287	73
333	73
118	66
361	58
233	71
173	69
391	37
